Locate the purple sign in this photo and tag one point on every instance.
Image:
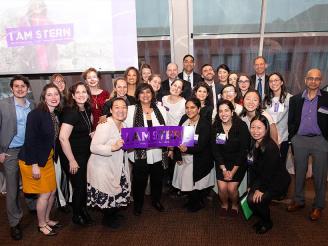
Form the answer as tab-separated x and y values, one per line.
31	35
158	136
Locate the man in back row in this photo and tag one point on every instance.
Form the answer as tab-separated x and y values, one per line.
188	73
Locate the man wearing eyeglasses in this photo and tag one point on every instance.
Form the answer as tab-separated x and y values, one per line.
308	132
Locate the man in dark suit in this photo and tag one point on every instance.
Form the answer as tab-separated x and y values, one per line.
260	80
172	74
188	73
308	132
13	116
208	76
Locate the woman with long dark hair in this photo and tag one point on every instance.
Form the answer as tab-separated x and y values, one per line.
268	177
36	157
75	139
203	93
276	103
132	76
230	144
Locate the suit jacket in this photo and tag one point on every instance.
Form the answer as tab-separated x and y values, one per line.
196	78
39	138
295	113
165	89
8	122
202	154
266	85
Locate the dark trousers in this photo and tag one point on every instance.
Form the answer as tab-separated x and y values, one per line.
140	173
284	146
261	209
79	185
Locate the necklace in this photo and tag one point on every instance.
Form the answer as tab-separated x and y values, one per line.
86	120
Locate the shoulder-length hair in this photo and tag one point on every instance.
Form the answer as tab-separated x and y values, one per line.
267	137
217	119
58	75
142	87
89	70
42	104
137	73
283	94
209	98
239	93
71	100
259	109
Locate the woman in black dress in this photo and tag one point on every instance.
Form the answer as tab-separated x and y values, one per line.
75	138
269	178
230	141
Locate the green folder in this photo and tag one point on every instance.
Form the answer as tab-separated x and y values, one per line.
245	208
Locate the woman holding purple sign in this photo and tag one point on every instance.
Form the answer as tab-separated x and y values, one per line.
230	141
146	162
194	171
108	171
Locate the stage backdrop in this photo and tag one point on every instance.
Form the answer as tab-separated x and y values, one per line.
48	36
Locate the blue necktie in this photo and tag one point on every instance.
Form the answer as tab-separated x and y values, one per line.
259	87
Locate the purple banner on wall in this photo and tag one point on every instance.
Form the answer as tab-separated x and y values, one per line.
32	35
159	136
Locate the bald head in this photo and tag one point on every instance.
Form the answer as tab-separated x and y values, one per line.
172	71
313	79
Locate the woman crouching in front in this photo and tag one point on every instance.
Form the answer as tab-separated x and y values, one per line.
269	178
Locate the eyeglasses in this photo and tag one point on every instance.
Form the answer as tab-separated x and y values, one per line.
243	81
311	79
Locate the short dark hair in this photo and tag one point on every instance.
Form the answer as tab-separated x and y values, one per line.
223	66
195	101
117	99
205	65
188	55
19	77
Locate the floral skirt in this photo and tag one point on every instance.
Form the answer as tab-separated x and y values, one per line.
97	198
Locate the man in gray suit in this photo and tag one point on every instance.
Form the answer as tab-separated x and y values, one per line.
13	115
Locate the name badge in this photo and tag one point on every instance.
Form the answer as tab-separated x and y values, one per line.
196	138
220	138
278	107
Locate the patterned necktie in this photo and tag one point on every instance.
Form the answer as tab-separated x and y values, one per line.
259	87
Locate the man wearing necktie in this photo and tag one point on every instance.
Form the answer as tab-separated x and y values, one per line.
259	80
188	73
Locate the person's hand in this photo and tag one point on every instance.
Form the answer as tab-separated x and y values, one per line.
183	148
118	145
92	134
3	157
102	119
170	154
73	167
257	197
36	171
179	163
226	175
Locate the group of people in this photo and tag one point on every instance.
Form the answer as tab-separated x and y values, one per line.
243	126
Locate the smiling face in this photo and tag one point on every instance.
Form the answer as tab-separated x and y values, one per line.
201	94
192	110
225	113
176	88
145	96
60	83
257	130
208	73
275	83
251	101
233	79
244	83
132	77
259	66
121	88
313	79
172	71
119	110
19	89
145	74
52	98
229	93
155	83
188	64
92	79
81	95
223	75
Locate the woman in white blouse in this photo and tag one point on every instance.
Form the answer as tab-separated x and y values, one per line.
146	162
108	171
276	103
